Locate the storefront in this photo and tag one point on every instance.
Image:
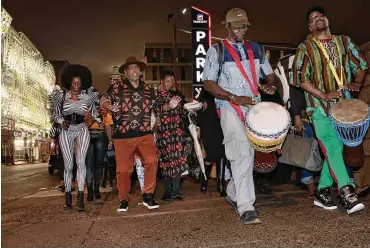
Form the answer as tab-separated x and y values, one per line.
26	83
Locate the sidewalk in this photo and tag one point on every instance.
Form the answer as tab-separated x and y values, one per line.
23	163
289	219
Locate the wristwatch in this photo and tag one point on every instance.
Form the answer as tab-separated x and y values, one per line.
231	97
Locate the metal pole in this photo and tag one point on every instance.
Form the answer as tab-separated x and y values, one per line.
174	49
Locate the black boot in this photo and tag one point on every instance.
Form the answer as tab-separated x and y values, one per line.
68	204
96	192
203	181
80	201
90	193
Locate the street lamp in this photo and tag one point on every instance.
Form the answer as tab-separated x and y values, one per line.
174	17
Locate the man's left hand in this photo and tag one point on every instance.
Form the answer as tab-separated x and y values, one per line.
103	111
268	89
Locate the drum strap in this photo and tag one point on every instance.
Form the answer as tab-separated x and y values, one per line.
330	63
253	85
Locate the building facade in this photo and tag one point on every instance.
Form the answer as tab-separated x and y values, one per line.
26	82
160	57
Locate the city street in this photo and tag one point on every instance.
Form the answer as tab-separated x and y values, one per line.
33	216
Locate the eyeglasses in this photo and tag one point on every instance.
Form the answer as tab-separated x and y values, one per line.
314	18
241	27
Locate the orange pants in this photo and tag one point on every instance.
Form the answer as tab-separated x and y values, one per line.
125	150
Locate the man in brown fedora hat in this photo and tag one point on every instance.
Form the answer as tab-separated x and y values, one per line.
232	71
131	105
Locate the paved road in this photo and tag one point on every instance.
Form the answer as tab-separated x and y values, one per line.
36	218
21	180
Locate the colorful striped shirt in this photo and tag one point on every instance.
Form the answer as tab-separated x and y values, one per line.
311	66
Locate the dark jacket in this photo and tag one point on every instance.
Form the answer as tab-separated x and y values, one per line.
210	128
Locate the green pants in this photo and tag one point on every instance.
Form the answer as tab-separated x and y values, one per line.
332	147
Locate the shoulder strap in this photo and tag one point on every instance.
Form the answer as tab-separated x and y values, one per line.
252	84
221	56
262	54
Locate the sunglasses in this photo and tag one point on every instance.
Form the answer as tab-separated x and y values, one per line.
314	18
241	27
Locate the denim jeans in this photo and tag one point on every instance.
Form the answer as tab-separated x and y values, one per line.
95	158
172	185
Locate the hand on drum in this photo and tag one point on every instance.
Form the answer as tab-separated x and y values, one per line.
268	89
354	86
332	95
243	100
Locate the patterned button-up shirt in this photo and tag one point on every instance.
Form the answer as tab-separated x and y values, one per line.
311	66
230	78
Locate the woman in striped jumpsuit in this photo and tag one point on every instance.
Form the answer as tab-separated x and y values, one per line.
73	109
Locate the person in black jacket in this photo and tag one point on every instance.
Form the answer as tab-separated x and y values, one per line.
212	138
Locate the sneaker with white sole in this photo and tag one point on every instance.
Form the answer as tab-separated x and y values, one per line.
149	202
349	200
322	199
123	206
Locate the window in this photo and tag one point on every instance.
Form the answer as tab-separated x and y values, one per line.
182	73
154	59
155	73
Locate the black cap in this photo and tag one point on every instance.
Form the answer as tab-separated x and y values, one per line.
314	9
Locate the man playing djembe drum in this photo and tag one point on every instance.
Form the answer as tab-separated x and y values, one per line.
323	65
232	78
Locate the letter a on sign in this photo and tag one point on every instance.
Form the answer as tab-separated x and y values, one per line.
200	50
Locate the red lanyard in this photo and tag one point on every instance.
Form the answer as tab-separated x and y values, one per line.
254	87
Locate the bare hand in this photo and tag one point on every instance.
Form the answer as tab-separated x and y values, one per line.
243	100
144	59
110	144
354	87
204	106
89	119
298	123
332	95
268	89
103	111
114	108
175	101
65	125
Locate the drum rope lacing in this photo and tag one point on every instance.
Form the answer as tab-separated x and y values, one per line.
275	136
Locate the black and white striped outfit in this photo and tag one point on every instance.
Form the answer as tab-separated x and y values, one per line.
77	135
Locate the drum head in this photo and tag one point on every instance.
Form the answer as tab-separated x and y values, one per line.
268	118
350	111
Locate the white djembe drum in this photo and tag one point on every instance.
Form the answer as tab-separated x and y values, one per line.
267	125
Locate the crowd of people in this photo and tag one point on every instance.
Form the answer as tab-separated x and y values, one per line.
133	125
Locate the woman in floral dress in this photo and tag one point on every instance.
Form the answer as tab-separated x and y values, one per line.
170	135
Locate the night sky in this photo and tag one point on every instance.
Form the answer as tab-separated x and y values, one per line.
101	34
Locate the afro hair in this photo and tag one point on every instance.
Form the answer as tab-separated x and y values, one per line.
72	71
